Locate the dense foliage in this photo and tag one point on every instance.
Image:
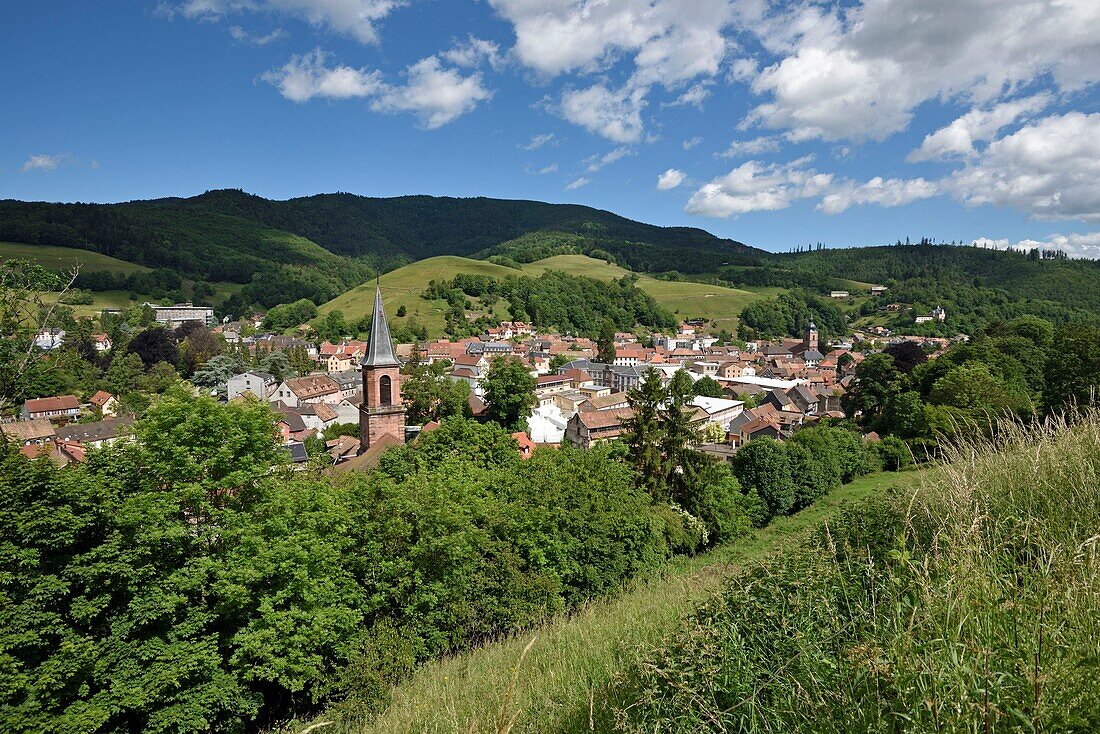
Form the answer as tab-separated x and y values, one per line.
231	235
569	303
789	314
188	582
1014	370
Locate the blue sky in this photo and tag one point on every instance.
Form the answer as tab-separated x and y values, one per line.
778	124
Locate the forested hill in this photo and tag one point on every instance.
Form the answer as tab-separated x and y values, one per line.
181	233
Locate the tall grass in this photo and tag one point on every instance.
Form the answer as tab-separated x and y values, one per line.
566	677
970	603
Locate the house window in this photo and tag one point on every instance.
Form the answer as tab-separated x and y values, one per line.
384	396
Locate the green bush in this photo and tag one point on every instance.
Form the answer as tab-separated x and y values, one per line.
192	582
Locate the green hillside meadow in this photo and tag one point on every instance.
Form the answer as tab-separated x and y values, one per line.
402	287
65	258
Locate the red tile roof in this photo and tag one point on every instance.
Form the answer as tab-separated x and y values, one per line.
49	405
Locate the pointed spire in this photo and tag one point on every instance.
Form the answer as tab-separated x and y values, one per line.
380	346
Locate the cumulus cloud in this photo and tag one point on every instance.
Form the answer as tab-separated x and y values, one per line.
858	73
673	43
473	52
305	77
692	142
577	183
355	18
888	192
756	146
1048	168
615	114
435	94
552	168
1074	245
670	179
958	138
596	162
755	186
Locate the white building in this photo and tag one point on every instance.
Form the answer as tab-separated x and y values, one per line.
546	424
48	339
719	410
259	384
181	313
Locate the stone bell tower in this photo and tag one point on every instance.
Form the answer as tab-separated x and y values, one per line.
809	341
382	412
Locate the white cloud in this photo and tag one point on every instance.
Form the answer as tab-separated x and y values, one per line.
240	34
537	141
673	43
305	77
45	162
435	94
858	73
552	168
695	96
355	18
755	186
596	162
756	146
1048	169
692	142
888	192
576	184
958	138
613	114
670	179
1074	245
472	52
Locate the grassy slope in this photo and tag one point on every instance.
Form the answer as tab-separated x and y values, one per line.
402	287
685	299
56	258
574	659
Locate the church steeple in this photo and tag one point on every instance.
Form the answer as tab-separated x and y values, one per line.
382	411
380	346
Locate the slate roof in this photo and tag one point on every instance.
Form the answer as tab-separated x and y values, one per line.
380	346
103	430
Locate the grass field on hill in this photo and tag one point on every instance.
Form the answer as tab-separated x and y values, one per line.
575	659
402	287
58	258
684	298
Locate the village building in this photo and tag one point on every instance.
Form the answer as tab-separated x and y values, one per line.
96	435
587	428
105	403
59	409
308	389
34	432
259	384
